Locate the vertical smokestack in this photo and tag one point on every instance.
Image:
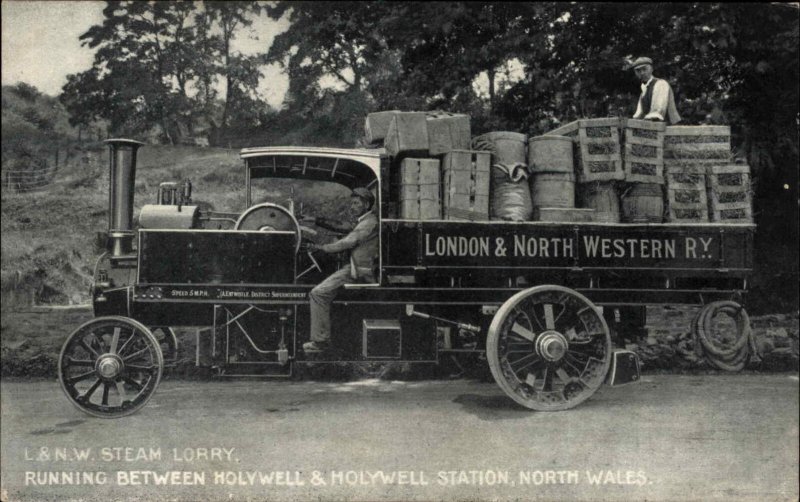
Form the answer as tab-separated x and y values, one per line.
122	167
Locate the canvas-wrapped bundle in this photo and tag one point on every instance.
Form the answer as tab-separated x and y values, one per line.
511	196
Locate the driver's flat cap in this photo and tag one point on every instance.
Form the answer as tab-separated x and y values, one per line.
641	62
364	194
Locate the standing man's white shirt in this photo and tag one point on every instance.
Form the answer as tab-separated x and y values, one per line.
659	103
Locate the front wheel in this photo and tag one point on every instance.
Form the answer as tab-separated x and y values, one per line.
110	366
549	348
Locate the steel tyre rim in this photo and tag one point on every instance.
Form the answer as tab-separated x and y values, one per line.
549	380
110	383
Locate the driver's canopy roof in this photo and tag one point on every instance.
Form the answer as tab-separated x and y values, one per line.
349	167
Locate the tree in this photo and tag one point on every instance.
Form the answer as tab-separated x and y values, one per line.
241	72
158	62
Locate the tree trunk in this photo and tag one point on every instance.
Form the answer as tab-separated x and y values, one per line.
491	74
228	82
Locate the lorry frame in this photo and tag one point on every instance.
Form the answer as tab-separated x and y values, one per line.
532	297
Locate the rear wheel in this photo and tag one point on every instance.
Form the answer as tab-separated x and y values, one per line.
110	366
549	348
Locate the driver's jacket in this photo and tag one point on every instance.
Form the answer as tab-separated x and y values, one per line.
362	242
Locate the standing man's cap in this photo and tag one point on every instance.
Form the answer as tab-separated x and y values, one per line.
641	62
364	194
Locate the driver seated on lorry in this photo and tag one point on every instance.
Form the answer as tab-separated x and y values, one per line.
362	241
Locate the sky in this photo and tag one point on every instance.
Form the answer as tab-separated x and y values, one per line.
40	44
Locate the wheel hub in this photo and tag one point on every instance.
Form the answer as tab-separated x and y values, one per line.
109	366
551	346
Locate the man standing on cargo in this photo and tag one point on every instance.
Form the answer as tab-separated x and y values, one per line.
657	101
362	241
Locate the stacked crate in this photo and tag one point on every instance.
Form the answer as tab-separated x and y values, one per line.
377	125
686	194
729	193
598	154
643	144
447	132
465	185
419	189
418	134
697	146
417	144
407	135
644	151
689	152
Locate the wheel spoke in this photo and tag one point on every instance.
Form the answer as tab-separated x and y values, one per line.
521	359
522	331
549	320
78	378
572	366
563	305
137	354
88	348
125	345
79	362
133	383
548	379
105	393
146	369
114	340
562	375
526	366
88	393
121	391
571	357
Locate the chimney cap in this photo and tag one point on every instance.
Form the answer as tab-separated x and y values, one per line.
124	142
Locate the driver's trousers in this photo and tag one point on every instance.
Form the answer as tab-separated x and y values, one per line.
321	298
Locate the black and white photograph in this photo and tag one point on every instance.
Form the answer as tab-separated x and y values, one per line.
399	251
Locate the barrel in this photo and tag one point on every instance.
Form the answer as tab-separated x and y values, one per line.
508	148
553	190
550	154
643	203
603	198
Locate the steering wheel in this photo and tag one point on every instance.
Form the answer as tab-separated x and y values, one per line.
269	217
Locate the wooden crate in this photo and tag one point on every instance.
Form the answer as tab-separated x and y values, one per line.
598	155
686	194
729	195
447	132
465	185
419	197
407	135
377	125
697	145
564	214
644	151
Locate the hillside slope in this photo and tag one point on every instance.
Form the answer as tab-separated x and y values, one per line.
49	236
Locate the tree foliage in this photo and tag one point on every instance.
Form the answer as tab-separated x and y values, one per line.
733	64
158	64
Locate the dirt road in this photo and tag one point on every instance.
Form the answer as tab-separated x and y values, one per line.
667	438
